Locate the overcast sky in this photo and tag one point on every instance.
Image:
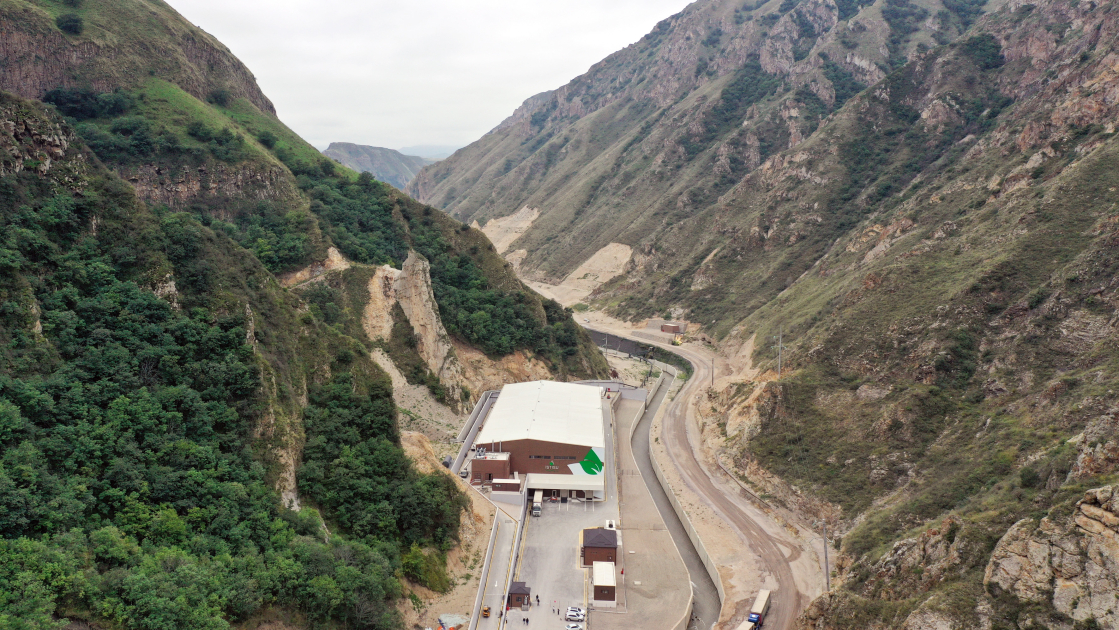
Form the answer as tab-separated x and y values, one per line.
416	72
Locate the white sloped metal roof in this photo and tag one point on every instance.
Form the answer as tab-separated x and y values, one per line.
565	413
603	574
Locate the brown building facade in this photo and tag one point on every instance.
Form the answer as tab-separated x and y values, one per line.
534	456
599	545
506	485
520	596
488	467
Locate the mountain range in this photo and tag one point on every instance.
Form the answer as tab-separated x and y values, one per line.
385	165
896	221
915	203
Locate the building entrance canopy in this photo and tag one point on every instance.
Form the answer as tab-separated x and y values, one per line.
587	483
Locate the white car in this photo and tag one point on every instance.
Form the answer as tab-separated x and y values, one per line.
573	626
573	615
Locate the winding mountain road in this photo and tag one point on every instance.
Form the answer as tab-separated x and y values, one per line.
787	600
776	553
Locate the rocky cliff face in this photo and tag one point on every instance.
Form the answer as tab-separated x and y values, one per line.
458	366
658	131
1070	564
412	290
177	187
387	165
27	144
117	49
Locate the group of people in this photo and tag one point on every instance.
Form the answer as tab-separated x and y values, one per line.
524	620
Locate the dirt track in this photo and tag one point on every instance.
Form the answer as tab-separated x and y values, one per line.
788	601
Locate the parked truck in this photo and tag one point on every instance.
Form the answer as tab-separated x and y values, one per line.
757	612
537	502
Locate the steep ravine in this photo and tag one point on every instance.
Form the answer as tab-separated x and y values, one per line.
937	255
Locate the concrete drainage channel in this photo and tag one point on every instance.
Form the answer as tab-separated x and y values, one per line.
707	588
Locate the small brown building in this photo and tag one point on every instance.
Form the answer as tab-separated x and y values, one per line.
520	596
485	468
669	327
605	583
599	545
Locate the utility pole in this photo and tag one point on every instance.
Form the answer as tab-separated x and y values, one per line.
780	349
827	567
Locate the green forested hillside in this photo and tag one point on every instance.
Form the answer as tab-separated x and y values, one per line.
131	487
187	443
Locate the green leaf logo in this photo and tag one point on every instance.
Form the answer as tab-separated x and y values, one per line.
591	464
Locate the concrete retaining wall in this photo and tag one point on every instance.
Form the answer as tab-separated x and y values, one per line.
476	615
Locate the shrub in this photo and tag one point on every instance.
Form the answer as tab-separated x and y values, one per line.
267	138
984	50
70	23
221	97
1029	478
84	104
73	4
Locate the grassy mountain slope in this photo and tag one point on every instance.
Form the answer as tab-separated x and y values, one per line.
939	252
660	130
386	165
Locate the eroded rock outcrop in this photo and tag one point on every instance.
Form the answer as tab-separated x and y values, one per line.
334	261
414	294
1071	564
177	187
410	287
481	373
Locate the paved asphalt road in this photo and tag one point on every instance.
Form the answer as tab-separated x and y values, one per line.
787	600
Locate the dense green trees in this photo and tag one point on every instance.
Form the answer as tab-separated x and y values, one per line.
130	487
365	222
353	467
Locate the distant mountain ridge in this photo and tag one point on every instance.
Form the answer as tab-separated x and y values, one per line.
431	152
387	165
